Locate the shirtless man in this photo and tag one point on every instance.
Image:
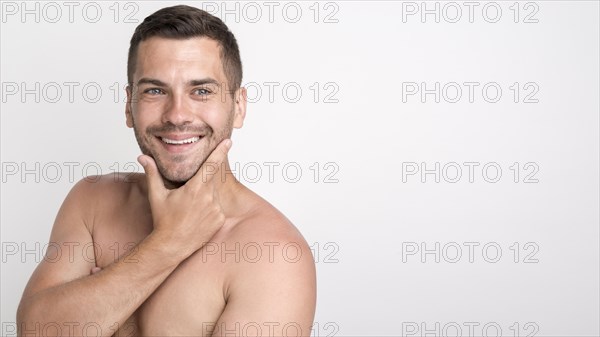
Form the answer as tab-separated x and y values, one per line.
184	249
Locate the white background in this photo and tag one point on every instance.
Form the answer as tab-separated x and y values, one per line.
363	211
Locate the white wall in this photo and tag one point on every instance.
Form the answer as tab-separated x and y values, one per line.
365	212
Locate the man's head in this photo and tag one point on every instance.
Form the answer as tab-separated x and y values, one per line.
184	94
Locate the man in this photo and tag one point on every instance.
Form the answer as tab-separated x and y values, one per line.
184	250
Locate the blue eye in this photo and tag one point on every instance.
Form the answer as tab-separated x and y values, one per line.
202	91
153	91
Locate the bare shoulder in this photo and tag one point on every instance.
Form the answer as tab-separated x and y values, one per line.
270	247
101	193
266	225
111	184
116	185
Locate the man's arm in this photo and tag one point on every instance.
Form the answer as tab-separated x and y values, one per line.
63	292
272	297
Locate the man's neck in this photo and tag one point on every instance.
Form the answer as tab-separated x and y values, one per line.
228	188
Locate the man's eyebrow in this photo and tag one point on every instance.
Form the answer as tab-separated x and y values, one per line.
191	83
203	81
153	81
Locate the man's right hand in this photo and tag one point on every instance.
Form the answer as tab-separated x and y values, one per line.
190	215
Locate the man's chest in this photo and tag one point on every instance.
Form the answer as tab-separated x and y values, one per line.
187	303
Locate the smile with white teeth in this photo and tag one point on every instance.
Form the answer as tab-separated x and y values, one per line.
180	142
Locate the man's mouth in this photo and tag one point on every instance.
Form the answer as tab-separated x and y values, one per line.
175	143
180	141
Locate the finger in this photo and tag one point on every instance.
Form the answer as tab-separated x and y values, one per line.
95	270
153	177
212	164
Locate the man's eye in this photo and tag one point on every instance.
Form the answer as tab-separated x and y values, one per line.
202	91
153	91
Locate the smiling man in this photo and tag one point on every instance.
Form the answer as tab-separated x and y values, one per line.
184	249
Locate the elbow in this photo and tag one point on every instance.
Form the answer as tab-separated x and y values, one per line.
30	320
24	317
22	312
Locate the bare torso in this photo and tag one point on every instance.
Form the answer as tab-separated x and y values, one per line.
191	299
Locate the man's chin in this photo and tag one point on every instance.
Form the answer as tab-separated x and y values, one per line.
177	178
176	170
174	181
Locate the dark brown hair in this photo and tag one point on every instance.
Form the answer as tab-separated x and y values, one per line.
184	22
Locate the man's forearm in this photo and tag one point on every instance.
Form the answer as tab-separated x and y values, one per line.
105	298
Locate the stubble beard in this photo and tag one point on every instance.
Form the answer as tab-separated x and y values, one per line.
181	173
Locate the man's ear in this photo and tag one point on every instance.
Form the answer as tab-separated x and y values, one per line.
239	103
128	116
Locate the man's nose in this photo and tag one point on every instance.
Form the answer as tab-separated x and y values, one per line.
177	112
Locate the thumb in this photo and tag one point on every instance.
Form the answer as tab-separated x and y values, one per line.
95	270
155	183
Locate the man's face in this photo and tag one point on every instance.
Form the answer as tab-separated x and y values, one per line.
180	106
